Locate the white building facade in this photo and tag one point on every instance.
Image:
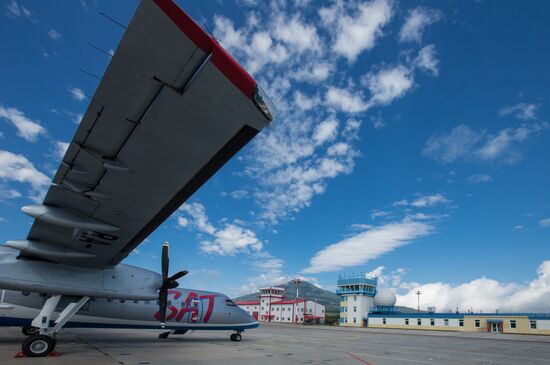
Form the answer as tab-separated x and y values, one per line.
356	294
272	307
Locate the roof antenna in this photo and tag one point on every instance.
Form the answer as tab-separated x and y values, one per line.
100	49
113	20
209	32
89	73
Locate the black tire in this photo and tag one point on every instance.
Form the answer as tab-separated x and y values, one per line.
38	346
30	330
237	337
232	337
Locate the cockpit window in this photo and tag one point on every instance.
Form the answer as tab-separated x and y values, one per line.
230	303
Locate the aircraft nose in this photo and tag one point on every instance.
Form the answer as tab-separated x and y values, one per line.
244	317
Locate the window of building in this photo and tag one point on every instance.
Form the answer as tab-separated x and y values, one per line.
406	321
419	321
354	320
288	319
446	322
277	318
513	323
533	325
477	323
383	320
355	309
355	297
461	322
432	322
346	320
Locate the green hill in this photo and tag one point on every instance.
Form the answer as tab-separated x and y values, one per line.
307	290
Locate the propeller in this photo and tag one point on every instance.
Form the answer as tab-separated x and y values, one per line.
168	282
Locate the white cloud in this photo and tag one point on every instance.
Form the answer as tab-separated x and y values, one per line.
375	273
197	215
366	246
17	168
426	60
77	93
61	148
388	84
455	145
305	102
522	111
325	131
479	178
544	222
358	28
231	240
483	294
14	10
296	62
296	34
500	144
463	143
379	214
415	24
26	128
7	193
54	34
345	101
239	194
429	201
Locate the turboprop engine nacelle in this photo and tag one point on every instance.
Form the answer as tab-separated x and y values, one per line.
119	282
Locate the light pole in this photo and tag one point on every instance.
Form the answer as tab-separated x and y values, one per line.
418	293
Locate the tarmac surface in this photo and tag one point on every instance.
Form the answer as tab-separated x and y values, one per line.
284	344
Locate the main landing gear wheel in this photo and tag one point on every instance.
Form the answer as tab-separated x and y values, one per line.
30	330
38	346
236	337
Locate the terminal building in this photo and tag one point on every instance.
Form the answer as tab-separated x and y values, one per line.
273	307
362	305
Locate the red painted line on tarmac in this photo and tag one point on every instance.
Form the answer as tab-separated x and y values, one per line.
358	358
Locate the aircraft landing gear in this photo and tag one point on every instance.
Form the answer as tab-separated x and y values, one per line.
236	337
43	341
30	330
38	345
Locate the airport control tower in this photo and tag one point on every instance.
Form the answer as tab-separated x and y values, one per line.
356	294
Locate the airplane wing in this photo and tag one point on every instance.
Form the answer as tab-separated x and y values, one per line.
171	109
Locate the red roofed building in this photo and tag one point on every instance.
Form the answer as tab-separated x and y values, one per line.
273	307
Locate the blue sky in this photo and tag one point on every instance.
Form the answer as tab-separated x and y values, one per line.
412	142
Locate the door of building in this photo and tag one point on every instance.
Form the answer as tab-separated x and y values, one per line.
255	315
496	327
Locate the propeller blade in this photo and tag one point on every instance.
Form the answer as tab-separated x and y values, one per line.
178	275
163	303
165	261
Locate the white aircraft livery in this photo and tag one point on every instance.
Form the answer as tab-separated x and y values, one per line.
172	108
